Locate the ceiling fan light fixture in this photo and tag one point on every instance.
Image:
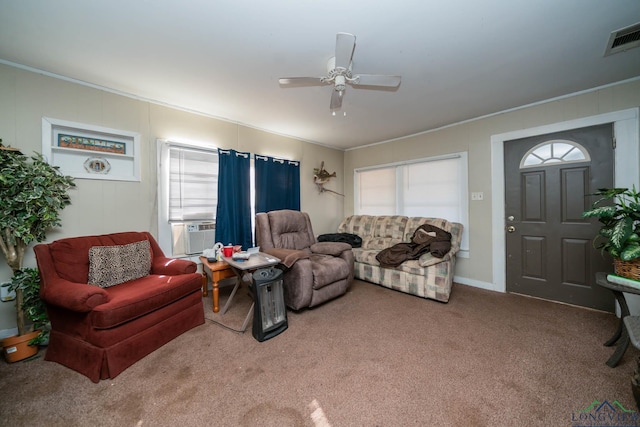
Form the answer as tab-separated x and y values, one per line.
339	73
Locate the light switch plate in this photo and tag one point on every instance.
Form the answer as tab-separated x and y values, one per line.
477	195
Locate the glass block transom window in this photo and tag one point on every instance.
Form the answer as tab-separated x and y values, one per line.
556	151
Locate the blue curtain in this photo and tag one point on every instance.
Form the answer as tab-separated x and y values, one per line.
277	184
233	215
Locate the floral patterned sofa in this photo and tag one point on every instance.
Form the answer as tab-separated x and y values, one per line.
427	277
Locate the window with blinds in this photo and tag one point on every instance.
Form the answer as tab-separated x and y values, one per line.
377	191
433	187
193	184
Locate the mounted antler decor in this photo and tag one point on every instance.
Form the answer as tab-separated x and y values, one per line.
321	177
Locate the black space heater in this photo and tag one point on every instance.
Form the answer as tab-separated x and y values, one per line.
269	311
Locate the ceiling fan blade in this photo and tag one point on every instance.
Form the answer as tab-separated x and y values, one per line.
336	99
376	80
301	81
339	73
345	44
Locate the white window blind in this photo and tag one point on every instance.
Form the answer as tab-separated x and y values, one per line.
434	187
377	191
193	184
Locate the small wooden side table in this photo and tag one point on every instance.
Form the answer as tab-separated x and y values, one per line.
217	270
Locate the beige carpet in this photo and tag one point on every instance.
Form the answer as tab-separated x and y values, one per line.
374	357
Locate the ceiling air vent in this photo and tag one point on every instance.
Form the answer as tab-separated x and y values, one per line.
623	39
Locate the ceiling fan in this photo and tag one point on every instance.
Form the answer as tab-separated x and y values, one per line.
339	73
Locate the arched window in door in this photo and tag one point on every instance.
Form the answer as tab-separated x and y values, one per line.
555	151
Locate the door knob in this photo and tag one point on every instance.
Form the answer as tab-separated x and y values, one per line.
511	229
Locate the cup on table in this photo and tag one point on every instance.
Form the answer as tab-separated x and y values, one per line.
227	251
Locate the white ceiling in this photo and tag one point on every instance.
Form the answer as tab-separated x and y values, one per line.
458	59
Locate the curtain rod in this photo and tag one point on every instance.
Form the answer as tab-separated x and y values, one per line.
189	147
281	161
409	162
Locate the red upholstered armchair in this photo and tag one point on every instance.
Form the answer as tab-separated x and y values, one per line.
138	300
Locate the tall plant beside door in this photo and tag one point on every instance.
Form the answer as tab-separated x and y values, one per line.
32	195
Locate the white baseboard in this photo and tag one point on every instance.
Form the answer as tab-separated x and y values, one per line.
476	283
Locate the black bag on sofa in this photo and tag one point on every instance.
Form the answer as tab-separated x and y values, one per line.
352	239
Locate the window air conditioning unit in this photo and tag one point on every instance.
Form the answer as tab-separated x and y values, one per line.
200	236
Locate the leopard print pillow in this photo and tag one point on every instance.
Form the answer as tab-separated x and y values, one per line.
112	265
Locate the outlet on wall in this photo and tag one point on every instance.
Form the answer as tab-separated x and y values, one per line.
477	195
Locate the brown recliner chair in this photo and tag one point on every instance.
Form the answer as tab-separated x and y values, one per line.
315	272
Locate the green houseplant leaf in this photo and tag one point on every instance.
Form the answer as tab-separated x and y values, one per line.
621	231
32	195
618	210
631	252
27	281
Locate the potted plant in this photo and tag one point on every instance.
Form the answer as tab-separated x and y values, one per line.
27	282
618	209
32	195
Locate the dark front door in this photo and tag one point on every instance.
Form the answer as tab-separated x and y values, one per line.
548	182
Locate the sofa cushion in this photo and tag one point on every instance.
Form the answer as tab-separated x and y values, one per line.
427	259
391	226
106	337
388	230
142	296
414	222
366	256
71	255
112	265
360	225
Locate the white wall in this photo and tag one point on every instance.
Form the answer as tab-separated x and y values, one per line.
109	206
475	136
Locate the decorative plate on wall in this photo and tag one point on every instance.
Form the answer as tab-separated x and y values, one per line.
97	165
